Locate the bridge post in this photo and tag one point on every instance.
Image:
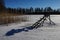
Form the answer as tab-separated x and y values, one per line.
40	22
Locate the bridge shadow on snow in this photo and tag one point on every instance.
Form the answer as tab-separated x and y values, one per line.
13	31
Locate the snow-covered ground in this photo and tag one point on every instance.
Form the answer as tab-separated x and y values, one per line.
47	32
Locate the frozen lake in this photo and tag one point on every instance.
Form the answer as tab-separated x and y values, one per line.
49	32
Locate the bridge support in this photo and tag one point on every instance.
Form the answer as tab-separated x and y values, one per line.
40	22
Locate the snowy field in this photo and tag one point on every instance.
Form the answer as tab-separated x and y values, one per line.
17	32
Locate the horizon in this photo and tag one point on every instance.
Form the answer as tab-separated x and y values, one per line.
55	4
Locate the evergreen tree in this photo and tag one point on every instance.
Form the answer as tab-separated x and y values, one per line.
31	9
49	9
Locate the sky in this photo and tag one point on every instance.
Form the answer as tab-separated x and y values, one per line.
32	3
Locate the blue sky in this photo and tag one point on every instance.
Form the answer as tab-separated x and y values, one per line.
32	3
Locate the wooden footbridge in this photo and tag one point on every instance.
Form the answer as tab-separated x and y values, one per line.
46	16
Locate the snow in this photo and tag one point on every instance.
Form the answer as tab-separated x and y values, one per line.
47	32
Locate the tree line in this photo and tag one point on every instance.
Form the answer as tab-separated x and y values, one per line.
31	10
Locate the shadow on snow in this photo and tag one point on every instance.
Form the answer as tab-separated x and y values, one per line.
13	31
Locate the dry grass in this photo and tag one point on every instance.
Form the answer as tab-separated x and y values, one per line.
6	18
7	14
